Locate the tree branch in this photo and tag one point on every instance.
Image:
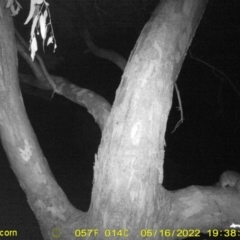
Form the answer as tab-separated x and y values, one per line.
96	105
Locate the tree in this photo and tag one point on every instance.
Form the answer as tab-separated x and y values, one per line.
127	193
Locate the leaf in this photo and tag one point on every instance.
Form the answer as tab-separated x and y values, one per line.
42	23
33	47
18	4
35	21
32	9
12	9
50	40
17	10
9	3
55	46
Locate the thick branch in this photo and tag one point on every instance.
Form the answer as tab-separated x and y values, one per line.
121	62
96	105
110	55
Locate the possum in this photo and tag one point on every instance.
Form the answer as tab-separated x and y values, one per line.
230	179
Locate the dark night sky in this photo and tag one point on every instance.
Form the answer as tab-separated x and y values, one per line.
206	144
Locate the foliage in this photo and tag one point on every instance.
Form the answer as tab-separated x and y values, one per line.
41	23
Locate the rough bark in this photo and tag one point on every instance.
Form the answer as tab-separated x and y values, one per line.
128	171
44	196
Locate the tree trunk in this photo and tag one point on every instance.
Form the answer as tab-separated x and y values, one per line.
128	171
127	197
44	196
